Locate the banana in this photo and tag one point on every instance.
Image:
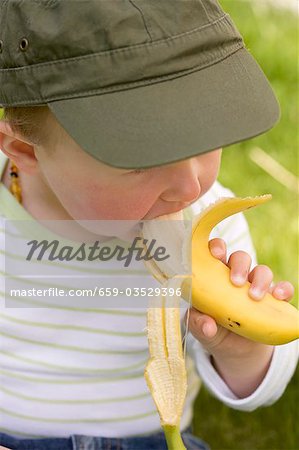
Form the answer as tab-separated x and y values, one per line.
269	320
207	283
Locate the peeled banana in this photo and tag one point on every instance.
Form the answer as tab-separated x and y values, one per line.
206	281
269	320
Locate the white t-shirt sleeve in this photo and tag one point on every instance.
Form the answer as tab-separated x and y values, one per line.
235	232
282	367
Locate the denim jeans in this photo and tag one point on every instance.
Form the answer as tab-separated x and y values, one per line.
80	442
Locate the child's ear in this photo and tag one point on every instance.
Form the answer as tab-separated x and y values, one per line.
17	149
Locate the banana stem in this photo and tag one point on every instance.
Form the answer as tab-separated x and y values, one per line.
173	437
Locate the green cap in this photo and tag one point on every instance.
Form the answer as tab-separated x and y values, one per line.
136	83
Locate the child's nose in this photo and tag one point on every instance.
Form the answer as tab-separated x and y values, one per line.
183	183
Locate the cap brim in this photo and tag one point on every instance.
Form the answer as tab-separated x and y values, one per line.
175	119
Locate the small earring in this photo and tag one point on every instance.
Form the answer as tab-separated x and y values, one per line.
15	187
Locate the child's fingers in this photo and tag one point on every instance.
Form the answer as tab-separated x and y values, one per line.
217	247
284	290
260	278
239	263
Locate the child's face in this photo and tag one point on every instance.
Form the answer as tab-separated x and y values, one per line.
91	190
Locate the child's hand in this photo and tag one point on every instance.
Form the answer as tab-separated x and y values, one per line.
217	339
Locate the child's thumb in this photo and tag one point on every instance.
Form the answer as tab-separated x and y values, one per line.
202	326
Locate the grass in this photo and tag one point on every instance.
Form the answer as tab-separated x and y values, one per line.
271	37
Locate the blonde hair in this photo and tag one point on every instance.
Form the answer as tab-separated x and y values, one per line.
32	123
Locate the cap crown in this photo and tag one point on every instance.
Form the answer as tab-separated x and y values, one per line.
55	49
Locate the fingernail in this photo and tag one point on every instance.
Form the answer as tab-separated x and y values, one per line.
279	292
256	293
216	251
206	329
238	279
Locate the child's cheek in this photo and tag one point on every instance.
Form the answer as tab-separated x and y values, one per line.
114	202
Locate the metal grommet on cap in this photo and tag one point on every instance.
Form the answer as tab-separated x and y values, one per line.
1	46
24	44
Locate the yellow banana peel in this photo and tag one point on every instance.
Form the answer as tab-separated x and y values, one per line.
165	372
268	320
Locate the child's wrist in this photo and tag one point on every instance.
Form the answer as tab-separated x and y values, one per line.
244	373
252	352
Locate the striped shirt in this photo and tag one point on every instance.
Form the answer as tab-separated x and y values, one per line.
73	366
